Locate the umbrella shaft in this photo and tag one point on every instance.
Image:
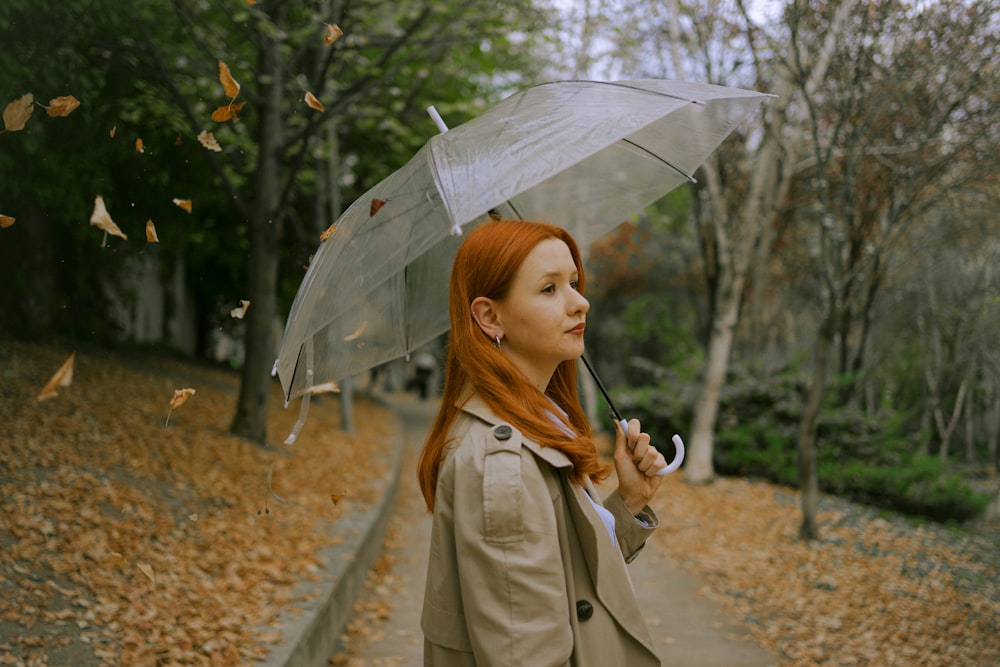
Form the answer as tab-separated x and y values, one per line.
600	385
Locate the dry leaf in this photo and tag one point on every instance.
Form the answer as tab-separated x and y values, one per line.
207	140
336	497
333	33
313	102
113	131
146	570
180	396
230	85
151	232
238	313
227	112
16	114
183	203
62	378
377	204
328	232
324	388
101	219
62	106
357	332
138	146
6	221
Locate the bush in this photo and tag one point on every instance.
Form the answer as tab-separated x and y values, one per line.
866	459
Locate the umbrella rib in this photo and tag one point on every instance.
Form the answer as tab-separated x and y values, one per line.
666	162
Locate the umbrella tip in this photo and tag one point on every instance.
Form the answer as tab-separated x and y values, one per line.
436	117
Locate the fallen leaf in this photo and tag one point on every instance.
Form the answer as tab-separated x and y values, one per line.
328	232
357	332
324	388
16	114
207	140
193	517
376	206
151	236
179	398
101	219
138	146
146	570
62	378
238	313
184	204
333	33
230	85
6	221
62	106
313	102
227	112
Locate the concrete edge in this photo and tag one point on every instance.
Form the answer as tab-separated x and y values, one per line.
311	637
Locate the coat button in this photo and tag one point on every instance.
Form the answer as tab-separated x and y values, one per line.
502	432
584	610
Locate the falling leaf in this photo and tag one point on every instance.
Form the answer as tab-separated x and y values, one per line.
146	570
180	397
151	236
357	332
328	232
238	313
336	497
227	112
16	114
333	33
230	85
323	388
313	102
62	106
101	219
113	131
6	221
139	147
62	378
376	206
207	140
184	204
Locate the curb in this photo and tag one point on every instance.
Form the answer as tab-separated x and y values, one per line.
311	637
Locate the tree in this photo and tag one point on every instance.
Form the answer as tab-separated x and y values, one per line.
897	128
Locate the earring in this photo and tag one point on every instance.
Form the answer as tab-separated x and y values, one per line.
496	341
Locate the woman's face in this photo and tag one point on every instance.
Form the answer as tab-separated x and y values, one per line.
543	315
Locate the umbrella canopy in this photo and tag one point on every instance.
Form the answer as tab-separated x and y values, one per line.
584	155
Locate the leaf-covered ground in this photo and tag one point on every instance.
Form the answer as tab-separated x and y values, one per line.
875	589
129	542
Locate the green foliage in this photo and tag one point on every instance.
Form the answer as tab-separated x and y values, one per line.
868	459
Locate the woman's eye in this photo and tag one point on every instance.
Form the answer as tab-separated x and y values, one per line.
549	289
575	284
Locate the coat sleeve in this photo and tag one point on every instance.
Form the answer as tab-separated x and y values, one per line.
513	587
631	534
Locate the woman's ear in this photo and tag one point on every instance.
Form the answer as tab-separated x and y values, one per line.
485	314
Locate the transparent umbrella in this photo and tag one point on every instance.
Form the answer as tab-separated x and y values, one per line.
585	155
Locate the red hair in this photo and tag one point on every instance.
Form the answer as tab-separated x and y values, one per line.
485	266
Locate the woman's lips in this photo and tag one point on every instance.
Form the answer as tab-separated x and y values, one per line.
578	329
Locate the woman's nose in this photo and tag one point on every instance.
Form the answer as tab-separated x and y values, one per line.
579	304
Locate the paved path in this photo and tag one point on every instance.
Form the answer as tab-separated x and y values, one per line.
689	630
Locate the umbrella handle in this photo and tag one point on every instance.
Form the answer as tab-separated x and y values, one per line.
678	456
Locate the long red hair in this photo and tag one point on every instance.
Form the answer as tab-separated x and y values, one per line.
485	266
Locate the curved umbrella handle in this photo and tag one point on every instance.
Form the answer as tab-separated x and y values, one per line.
678	455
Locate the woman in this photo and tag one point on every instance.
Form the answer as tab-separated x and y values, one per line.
527	564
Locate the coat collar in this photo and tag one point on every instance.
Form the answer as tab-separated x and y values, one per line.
477	407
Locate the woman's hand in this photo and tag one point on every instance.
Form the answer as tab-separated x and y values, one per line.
636	463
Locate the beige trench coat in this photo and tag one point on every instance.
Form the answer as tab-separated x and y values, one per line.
522	571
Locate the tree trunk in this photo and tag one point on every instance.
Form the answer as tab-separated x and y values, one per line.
698	468
263	235
808	477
